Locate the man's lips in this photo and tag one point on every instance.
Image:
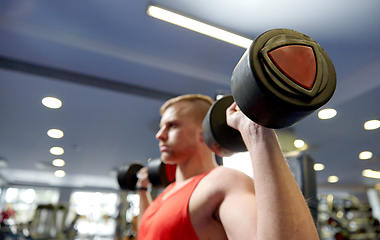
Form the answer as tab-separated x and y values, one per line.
164	148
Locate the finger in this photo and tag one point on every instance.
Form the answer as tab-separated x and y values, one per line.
232	108
142	173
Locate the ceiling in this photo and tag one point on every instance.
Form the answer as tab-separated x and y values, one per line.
113	66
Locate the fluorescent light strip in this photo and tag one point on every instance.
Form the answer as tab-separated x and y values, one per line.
197	26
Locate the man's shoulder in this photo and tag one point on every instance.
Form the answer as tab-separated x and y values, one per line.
212	189
215	187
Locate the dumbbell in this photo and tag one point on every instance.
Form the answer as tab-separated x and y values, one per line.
159	174
283	77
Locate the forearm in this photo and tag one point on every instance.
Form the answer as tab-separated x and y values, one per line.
282	212
145	201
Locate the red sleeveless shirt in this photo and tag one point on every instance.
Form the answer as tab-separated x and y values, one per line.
168	219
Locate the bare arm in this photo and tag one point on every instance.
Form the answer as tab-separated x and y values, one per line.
281	210
145	197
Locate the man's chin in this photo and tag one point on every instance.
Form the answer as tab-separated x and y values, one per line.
164	157
167	159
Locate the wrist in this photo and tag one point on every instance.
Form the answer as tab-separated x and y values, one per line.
143	189
256	135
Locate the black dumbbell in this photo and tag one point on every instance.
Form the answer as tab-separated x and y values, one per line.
159	174
283	77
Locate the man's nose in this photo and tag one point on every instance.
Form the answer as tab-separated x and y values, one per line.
160	135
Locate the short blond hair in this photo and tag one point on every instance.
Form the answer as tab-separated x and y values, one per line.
201	104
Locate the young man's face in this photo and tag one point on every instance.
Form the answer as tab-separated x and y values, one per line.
179	135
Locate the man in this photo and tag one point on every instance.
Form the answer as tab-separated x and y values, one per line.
210	202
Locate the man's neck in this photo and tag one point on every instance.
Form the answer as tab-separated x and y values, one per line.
194	167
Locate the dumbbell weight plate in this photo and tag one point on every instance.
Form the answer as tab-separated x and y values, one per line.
160	174
283	77
221	138
127	176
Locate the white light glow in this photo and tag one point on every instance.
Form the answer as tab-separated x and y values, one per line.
85	227
51	102
371	174
319	167
197	26
219	96
365	155
28	195
58	162
299	143
333	179
11	194
327	113
372	125
239	161
55	133
56	150
59	173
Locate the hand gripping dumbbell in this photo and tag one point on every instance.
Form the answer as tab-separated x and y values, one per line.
283	77
159	174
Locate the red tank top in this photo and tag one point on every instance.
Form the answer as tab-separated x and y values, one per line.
168	219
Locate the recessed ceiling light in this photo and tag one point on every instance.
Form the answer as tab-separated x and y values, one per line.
299	143
365	155
59	173
371	174
198	26
56	150
55	133
332	179
51	102
319	167
327	113
58	162
372	124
